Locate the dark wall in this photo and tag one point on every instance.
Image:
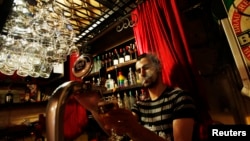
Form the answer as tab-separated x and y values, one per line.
5	9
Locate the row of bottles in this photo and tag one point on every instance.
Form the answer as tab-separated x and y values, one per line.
123	54
115	57
127	99
121	80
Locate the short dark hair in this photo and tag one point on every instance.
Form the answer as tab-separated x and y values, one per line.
151	57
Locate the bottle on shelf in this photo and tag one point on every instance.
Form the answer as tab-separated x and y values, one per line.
98	83
9	97
131	77
115	58
120	79
94	66
126	54
121	56
119	101
110	83
126	82
110	61
135	51
102	76
93	81
98	64
126	101
106	61
131	99
131	51
103	61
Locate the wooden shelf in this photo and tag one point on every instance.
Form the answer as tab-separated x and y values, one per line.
121	65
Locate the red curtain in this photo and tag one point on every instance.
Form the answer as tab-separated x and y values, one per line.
159	30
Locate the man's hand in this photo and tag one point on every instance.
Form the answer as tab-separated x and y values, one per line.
89	96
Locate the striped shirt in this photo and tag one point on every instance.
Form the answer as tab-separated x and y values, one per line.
159	114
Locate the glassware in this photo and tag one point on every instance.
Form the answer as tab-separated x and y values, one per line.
43	34
92	99
104	106
13	53
34	51
45	69
3	57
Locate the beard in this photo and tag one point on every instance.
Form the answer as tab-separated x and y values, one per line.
149	82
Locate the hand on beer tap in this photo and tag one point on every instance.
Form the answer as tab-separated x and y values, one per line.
88	95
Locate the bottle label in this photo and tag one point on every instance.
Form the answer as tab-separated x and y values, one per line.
115	62
121	60
127	57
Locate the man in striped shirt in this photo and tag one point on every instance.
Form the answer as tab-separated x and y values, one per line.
168	113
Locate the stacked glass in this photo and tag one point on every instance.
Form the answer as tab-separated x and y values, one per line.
36	40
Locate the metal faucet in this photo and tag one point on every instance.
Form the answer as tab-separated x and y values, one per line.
55	109
56	104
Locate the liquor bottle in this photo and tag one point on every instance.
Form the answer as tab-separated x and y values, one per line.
110	83
135	51
98	83
110	61
103	61
121	56
119	101
126	54
120	79
93	81
94	66
131	77
126	101
98	64
106	61
131	51
9	98
102	76
115	58
131	99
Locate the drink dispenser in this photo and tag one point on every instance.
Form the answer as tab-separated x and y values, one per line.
56	104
